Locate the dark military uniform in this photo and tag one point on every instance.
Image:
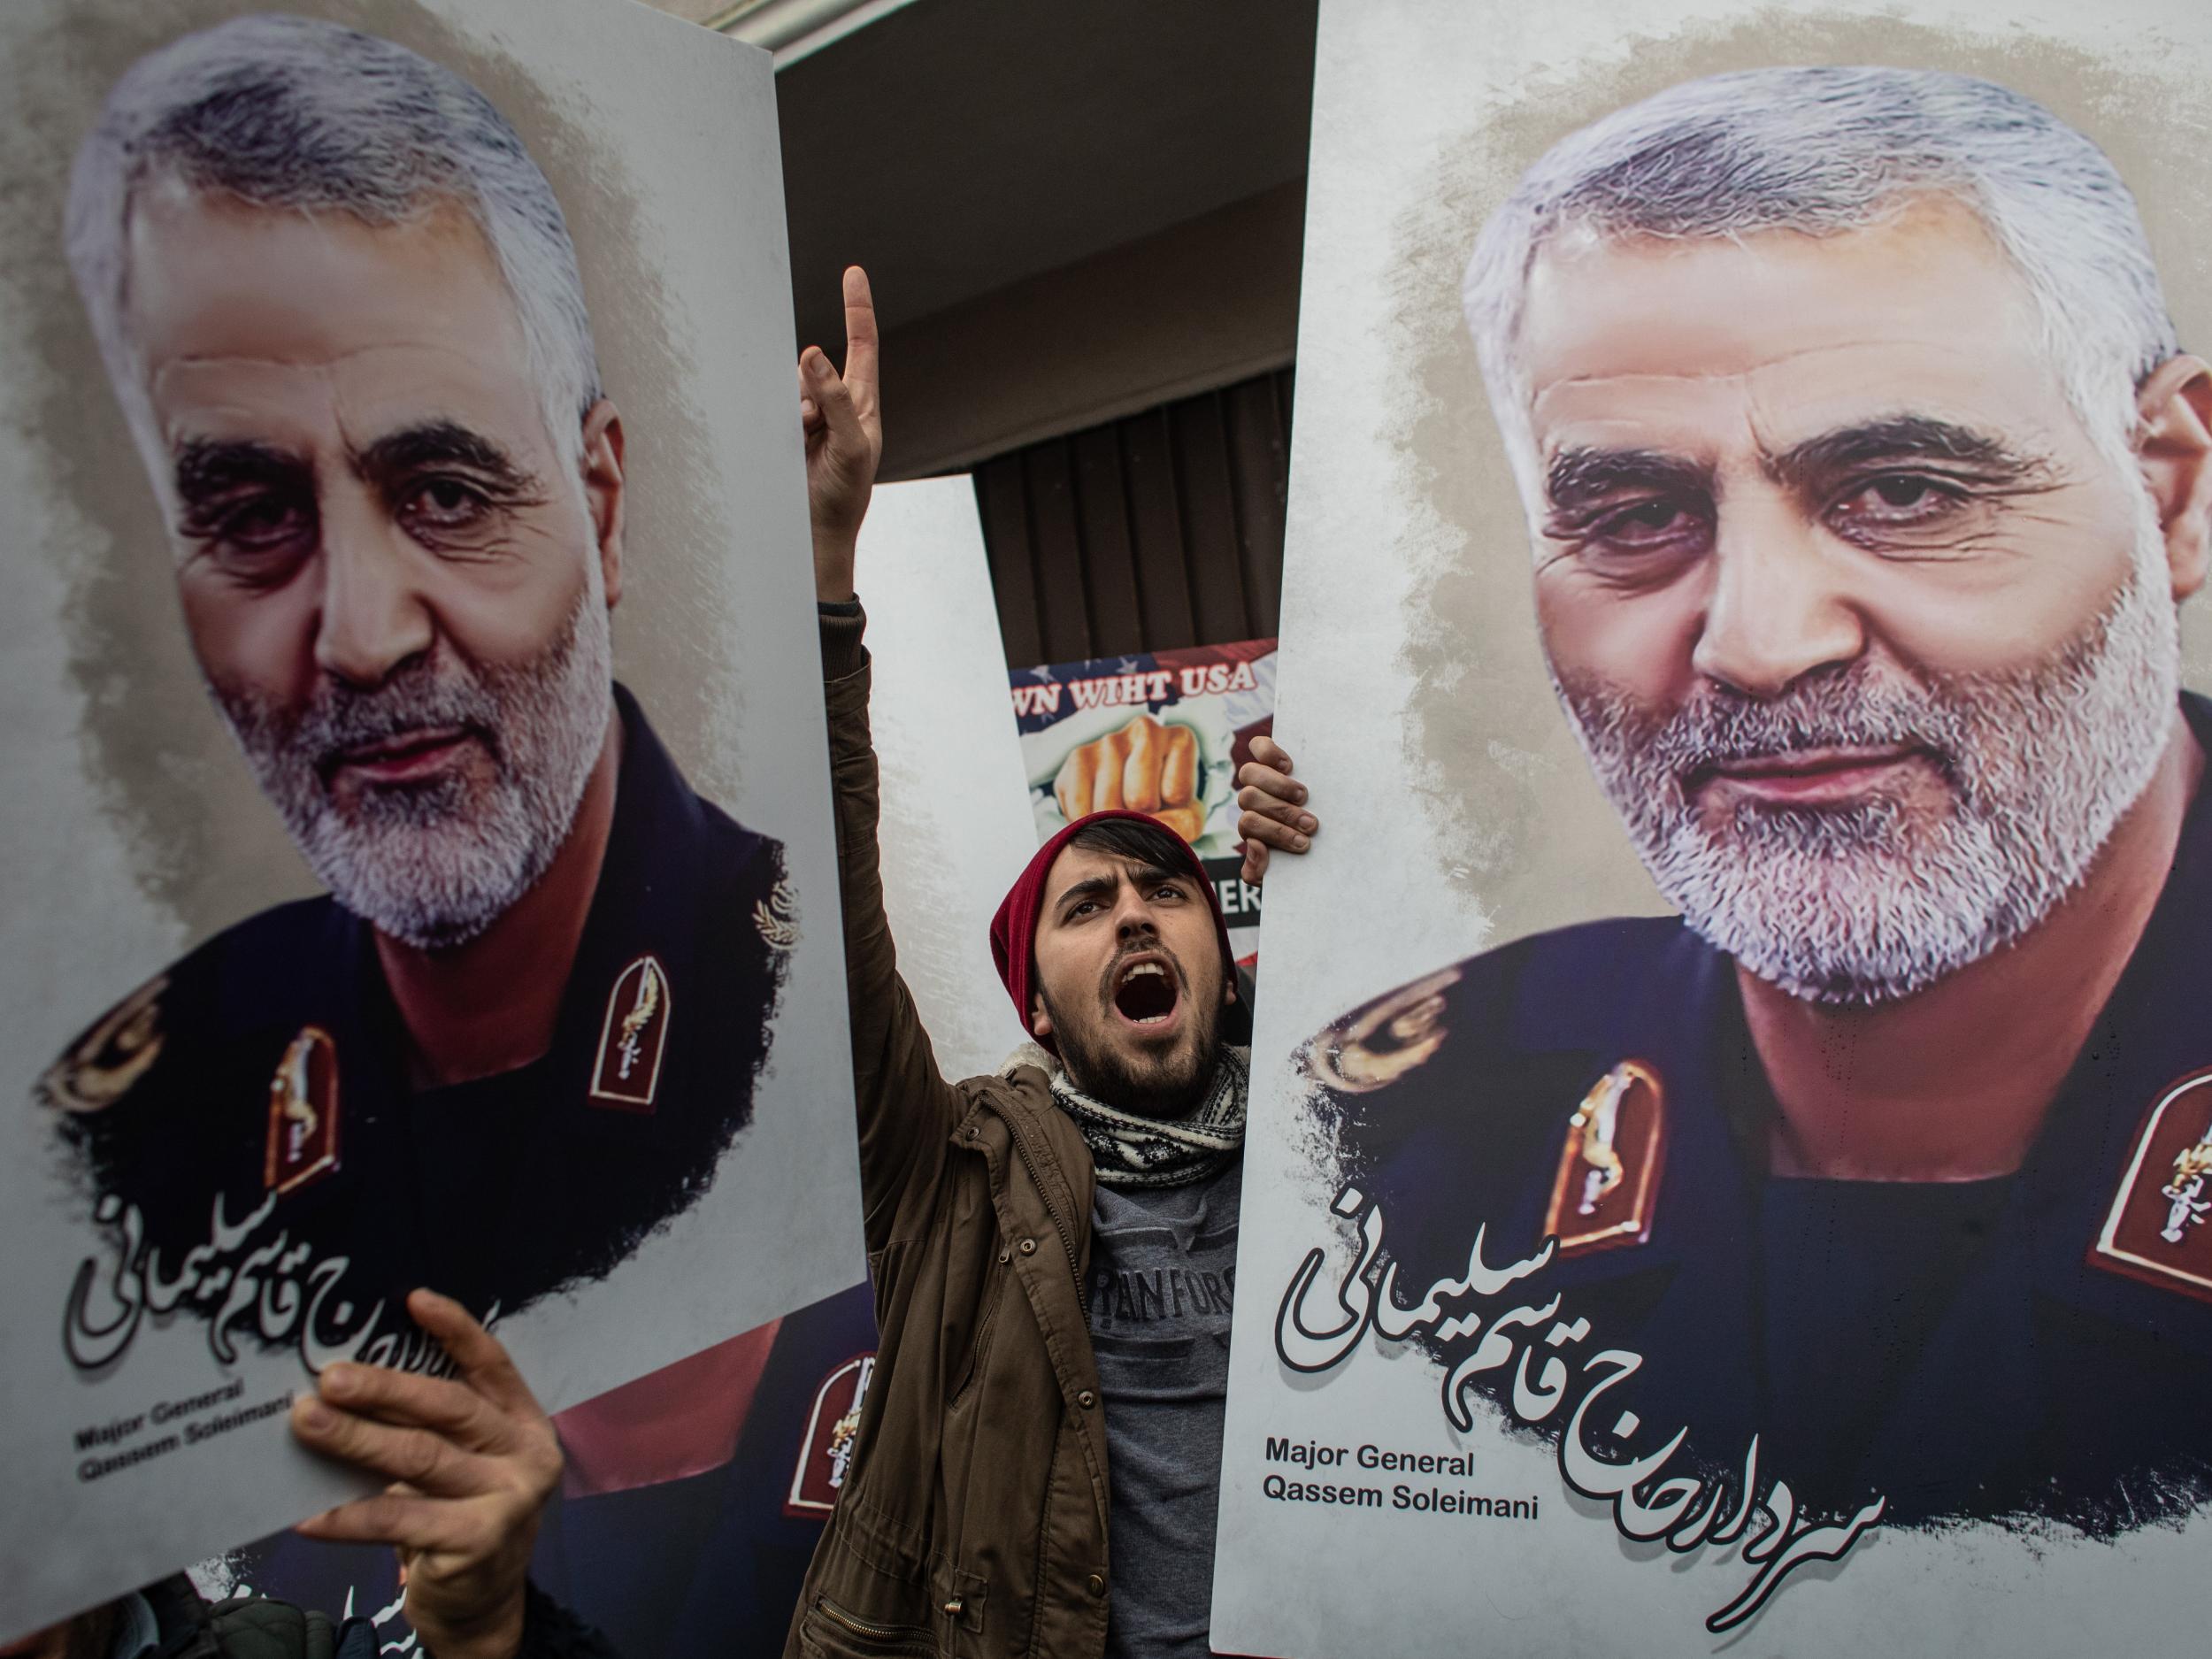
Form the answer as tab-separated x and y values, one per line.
267	1069
2037	1344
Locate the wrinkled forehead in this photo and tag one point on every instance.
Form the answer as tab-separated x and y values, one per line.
207	276
1622	339
321	334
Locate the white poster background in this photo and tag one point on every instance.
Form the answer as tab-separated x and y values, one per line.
956	808
661	140
1441	769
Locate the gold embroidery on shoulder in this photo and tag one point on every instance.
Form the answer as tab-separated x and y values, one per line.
106	1062
777	915
1384	1040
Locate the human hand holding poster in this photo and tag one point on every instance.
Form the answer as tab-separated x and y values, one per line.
359	365
1763	1211
690	1499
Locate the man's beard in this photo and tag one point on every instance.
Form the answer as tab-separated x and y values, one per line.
1865	904
1164	1086
432	863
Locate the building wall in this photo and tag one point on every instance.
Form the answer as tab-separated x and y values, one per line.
1158	529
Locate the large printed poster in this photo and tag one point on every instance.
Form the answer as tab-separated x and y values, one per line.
1731	1165
1155	732
417	862
693	1497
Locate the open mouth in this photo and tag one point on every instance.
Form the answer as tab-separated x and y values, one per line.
1145	992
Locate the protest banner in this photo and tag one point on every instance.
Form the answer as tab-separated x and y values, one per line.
1159	732
693	1497
411	739
1728	1160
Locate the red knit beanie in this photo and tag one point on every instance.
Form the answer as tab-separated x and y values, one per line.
1014	929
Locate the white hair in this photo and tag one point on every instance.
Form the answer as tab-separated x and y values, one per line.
1823	151
296	114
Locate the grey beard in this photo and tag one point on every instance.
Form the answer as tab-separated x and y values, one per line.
1866	905
435	864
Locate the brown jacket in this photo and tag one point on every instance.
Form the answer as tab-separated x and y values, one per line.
974	1521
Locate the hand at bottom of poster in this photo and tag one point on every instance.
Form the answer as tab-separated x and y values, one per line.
1687	1512
472	1459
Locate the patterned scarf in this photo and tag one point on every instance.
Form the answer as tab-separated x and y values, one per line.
1132	1151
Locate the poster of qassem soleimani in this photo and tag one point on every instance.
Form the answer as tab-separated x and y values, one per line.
1768	1210
692	1498
413	796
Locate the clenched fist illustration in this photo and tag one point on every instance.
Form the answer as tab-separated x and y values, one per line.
1146	766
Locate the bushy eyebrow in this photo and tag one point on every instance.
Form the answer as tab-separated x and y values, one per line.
1583	477
1900	438
1150	875
1089	887
1579	477
442	443
1102	886
207	467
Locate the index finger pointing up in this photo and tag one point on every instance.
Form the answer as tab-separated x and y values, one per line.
860	341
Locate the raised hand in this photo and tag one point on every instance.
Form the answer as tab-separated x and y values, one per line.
472	1460
842	416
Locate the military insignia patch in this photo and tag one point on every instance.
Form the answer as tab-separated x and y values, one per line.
2159	1229
303	1113
1384	1040
632	1038
1607	1185
777	916
825	1452
102	1065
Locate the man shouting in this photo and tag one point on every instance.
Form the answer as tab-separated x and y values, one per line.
1051	1246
